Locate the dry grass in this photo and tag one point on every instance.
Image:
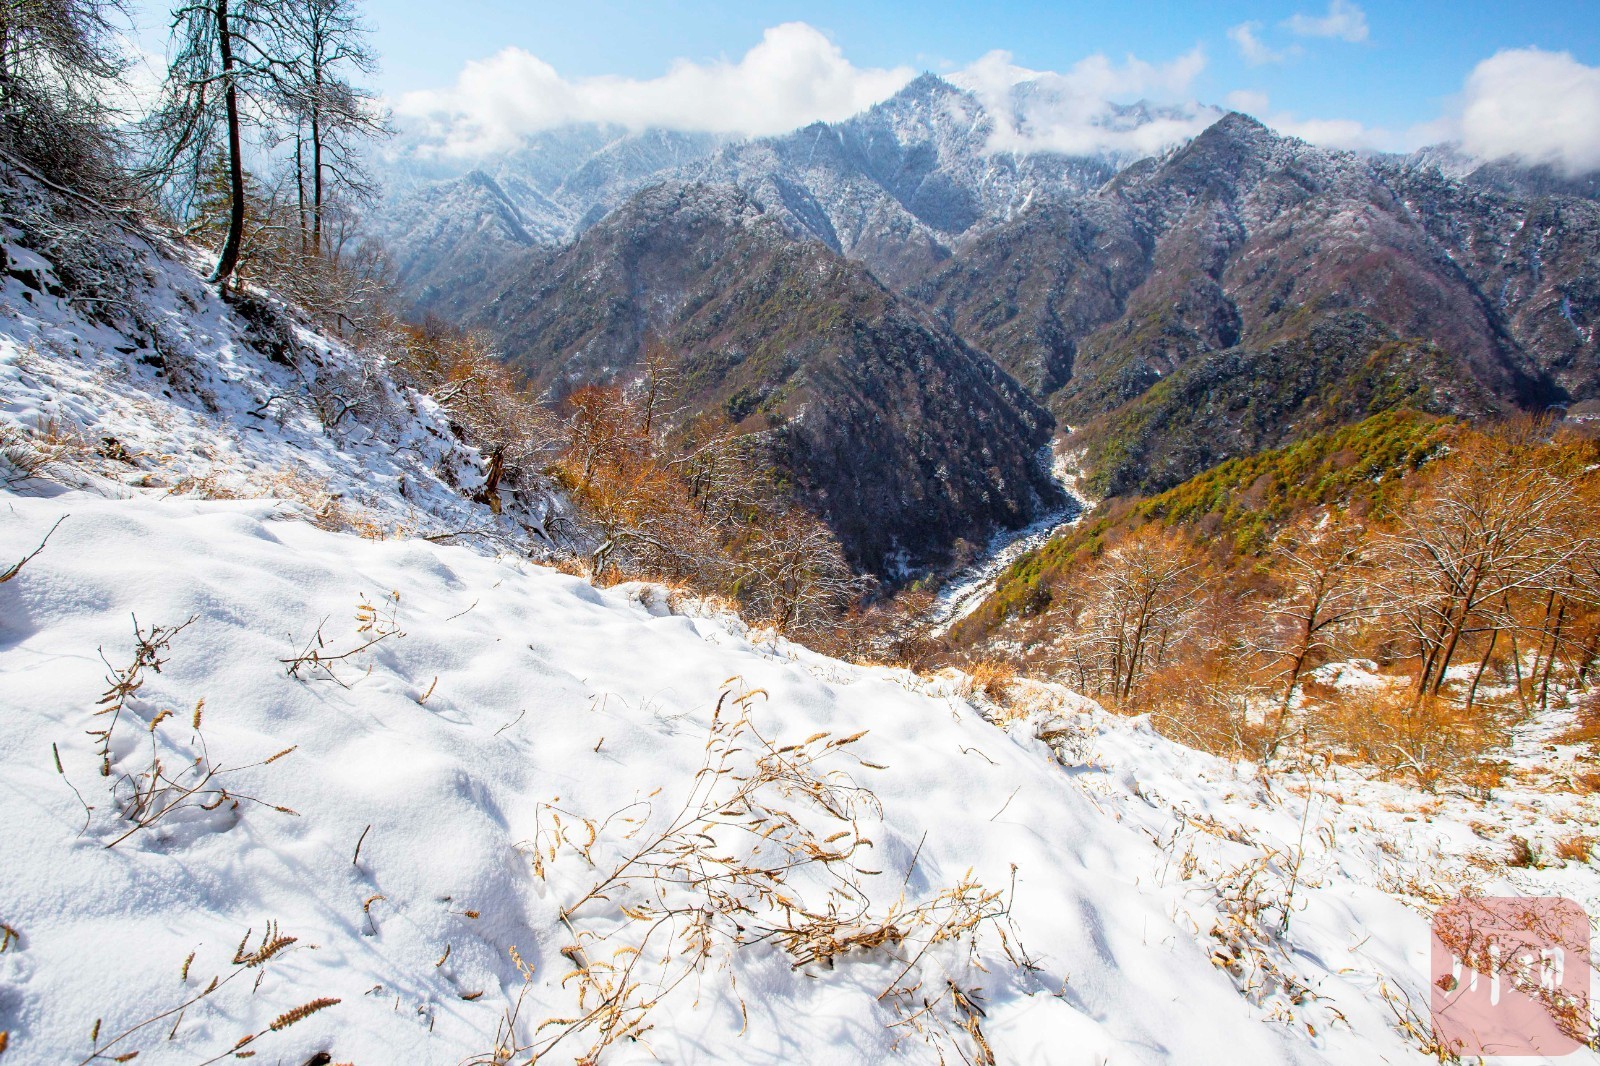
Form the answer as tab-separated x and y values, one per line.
324	508
246	960
1521	853
1253	899
44	451
11	572
1434	743
1575	847
768	847
375	623
1586	730
993	678
1416	1024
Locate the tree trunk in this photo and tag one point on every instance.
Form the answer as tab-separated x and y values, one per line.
6	91
1472	693
1457	627
1516	658
316	155
1589	655
1295	669
1550	661
228	260
300	184
1544	632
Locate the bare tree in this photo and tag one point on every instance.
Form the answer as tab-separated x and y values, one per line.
324	40
1495	523
1134	606
56	57
223	74
1324	570
795	574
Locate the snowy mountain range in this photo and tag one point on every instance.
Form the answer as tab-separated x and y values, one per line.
893	186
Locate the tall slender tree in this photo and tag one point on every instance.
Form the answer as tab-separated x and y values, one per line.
326	42
226	73
1324	570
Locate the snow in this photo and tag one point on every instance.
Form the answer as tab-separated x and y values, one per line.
187	402
966	590
513	687
543	690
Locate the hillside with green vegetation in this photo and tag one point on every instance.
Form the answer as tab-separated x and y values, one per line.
1235	508
1234	403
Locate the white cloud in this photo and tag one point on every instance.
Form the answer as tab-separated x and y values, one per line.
1347	134
1249	102
793	77
1247	38
1344	133
1344	21
1541	107
1075	112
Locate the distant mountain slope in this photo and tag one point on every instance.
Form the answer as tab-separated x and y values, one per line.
902	436
1236	507
1250	243
1139	300
450	223
897	184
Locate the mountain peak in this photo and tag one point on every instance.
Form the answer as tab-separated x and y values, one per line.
925	86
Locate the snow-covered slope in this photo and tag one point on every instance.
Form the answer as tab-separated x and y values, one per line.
507	694
172	389
506	699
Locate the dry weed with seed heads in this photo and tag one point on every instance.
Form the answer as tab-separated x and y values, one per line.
151	648
173	780
375	623
246	959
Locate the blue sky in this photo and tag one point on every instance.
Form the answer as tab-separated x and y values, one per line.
1414	59
472	77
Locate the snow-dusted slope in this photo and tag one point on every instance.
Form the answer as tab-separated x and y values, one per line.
175	390
507	692
893	186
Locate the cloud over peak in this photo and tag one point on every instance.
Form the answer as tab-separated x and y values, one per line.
794	76
1075	112
1533	105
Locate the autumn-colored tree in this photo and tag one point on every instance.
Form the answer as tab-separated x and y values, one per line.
1495	522
1130	609
1323	567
